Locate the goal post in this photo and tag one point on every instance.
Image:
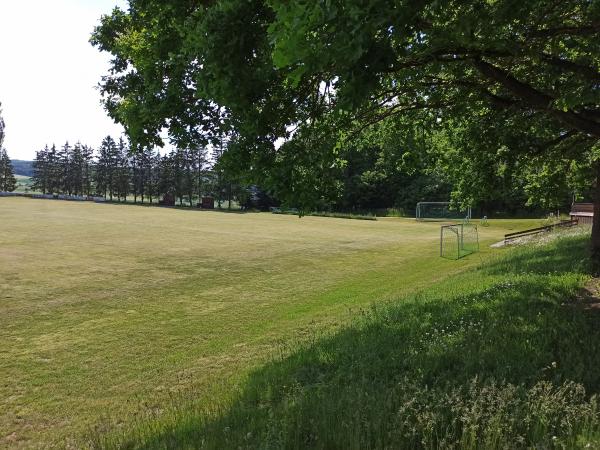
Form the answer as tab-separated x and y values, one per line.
440	211
458	240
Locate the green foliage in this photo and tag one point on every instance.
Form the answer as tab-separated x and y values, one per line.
68	170
8	182
507	90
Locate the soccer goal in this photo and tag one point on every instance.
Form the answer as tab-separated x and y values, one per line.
458	240
440	211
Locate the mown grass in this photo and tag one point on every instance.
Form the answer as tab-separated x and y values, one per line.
112	310
505	355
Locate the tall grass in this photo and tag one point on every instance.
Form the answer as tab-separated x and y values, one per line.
504	356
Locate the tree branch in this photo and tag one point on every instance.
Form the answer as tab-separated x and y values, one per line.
537	99
570	31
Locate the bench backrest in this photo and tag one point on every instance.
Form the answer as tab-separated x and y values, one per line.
582	207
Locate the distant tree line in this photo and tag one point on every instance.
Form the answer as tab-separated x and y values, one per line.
118	172
22	167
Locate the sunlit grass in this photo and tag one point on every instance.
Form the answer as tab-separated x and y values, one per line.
504	356
107	311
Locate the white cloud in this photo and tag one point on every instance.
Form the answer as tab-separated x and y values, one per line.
48	71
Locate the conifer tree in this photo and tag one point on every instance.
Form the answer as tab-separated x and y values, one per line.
200	157
64	169
54	171
122	172
155	175
145	162
76	169
106	168
178	161
8	182
40	171
219	179
87	154
137	175
166	179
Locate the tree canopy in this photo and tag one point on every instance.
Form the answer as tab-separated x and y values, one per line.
501	87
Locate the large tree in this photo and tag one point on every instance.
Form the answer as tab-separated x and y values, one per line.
518	80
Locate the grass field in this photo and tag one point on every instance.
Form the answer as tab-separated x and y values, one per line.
502	356
108	310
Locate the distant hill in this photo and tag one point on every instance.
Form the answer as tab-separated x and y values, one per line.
22	167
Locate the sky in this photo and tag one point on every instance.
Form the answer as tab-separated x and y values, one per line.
48	74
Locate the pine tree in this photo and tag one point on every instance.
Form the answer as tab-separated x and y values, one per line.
87	154
146	166
122	175
107	168
136	173
219	180
64	169
102	168
195	162
166	178
53	171
40	171
154	179
202	163
178	158
8	182
76	169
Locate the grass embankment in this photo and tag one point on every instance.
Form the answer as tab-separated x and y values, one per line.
504	356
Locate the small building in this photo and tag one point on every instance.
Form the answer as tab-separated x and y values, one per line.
583	212
167	200
207	203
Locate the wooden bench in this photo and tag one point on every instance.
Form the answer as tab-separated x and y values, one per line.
583	212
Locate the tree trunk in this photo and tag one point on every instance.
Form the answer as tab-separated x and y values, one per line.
229	196
596	222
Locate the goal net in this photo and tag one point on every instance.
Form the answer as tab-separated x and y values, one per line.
458	240
440	211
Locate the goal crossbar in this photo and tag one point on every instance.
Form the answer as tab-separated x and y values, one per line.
440	211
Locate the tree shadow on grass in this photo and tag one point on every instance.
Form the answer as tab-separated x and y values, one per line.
511	365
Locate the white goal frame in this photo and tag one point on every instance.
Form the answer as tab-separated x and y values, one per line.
419	212
464	235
